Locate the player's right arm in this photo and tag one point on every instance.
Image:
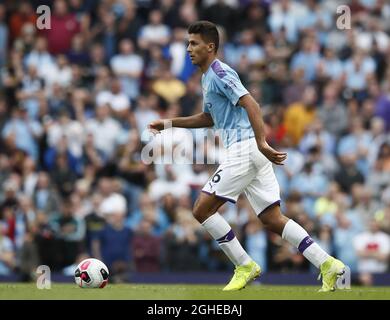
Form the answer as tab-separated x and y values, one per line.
200	120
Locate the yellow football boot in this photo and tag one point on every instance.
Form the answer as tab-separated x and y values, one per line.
242	276
331	270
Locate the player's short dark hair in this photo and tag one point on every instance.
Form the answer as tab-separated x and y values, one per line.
207	30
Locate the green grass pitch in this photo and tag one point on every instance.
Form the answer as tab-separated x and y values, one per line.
187	292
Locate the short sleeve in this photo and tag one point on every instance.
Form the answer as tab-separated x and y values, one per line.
229	84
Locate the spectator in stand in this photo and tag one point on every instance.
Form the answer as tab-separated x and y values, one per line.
104	129
382	215
128	66
40	57
4	36
310	185
151	211
344	235
104	31
247	49
65	126
373	250
316	136
285	15
24	15
113	243
71	231
78	53
130	23
332	112
146	248
97	60
94	222
144	113
182	243
382	106
118	101
30	92
176	52
155	32
64	26
63	175
307	58
45	197
54	157
329	67
358	70
168	87
299	115
22	132
378	180
348	173
357	142
7	254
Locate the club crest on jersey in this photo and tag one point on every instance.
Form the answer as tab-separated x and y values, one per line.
220	72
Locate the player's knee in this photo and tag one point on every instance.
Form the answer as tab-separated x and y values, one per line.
267	224
275	221
199	212
270	225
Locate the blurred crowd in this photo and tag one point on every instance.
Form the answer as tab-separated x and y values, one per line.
75	101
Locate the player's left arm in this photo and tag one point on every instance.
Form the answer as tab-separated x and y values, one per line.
256	119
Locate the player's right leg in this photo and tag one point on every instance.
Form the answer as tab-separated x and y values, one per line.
205	211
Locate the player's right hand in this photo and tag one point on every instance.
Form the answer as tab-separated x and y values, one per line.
272	155
156	126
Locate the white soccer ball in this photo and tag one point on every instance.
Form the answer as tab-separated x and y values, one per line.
91	273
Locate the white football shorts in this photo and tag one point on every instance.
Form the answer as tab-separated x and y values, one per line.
245	169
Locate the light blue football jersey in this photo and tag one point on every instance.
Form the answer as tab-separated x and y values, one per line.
222	88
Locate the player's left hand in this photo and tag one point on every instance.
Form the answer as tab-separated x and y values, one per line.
272	155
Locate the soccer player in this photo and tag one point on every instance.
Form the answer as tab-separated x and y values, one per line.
247	168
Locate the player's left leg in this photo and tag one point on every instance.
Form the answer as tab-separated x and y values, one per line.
264	196
289	230
206	212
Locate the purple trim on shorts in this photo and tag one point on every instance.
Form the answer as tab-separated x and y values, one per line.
224	198
217	68
227	237
271	205
305	243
